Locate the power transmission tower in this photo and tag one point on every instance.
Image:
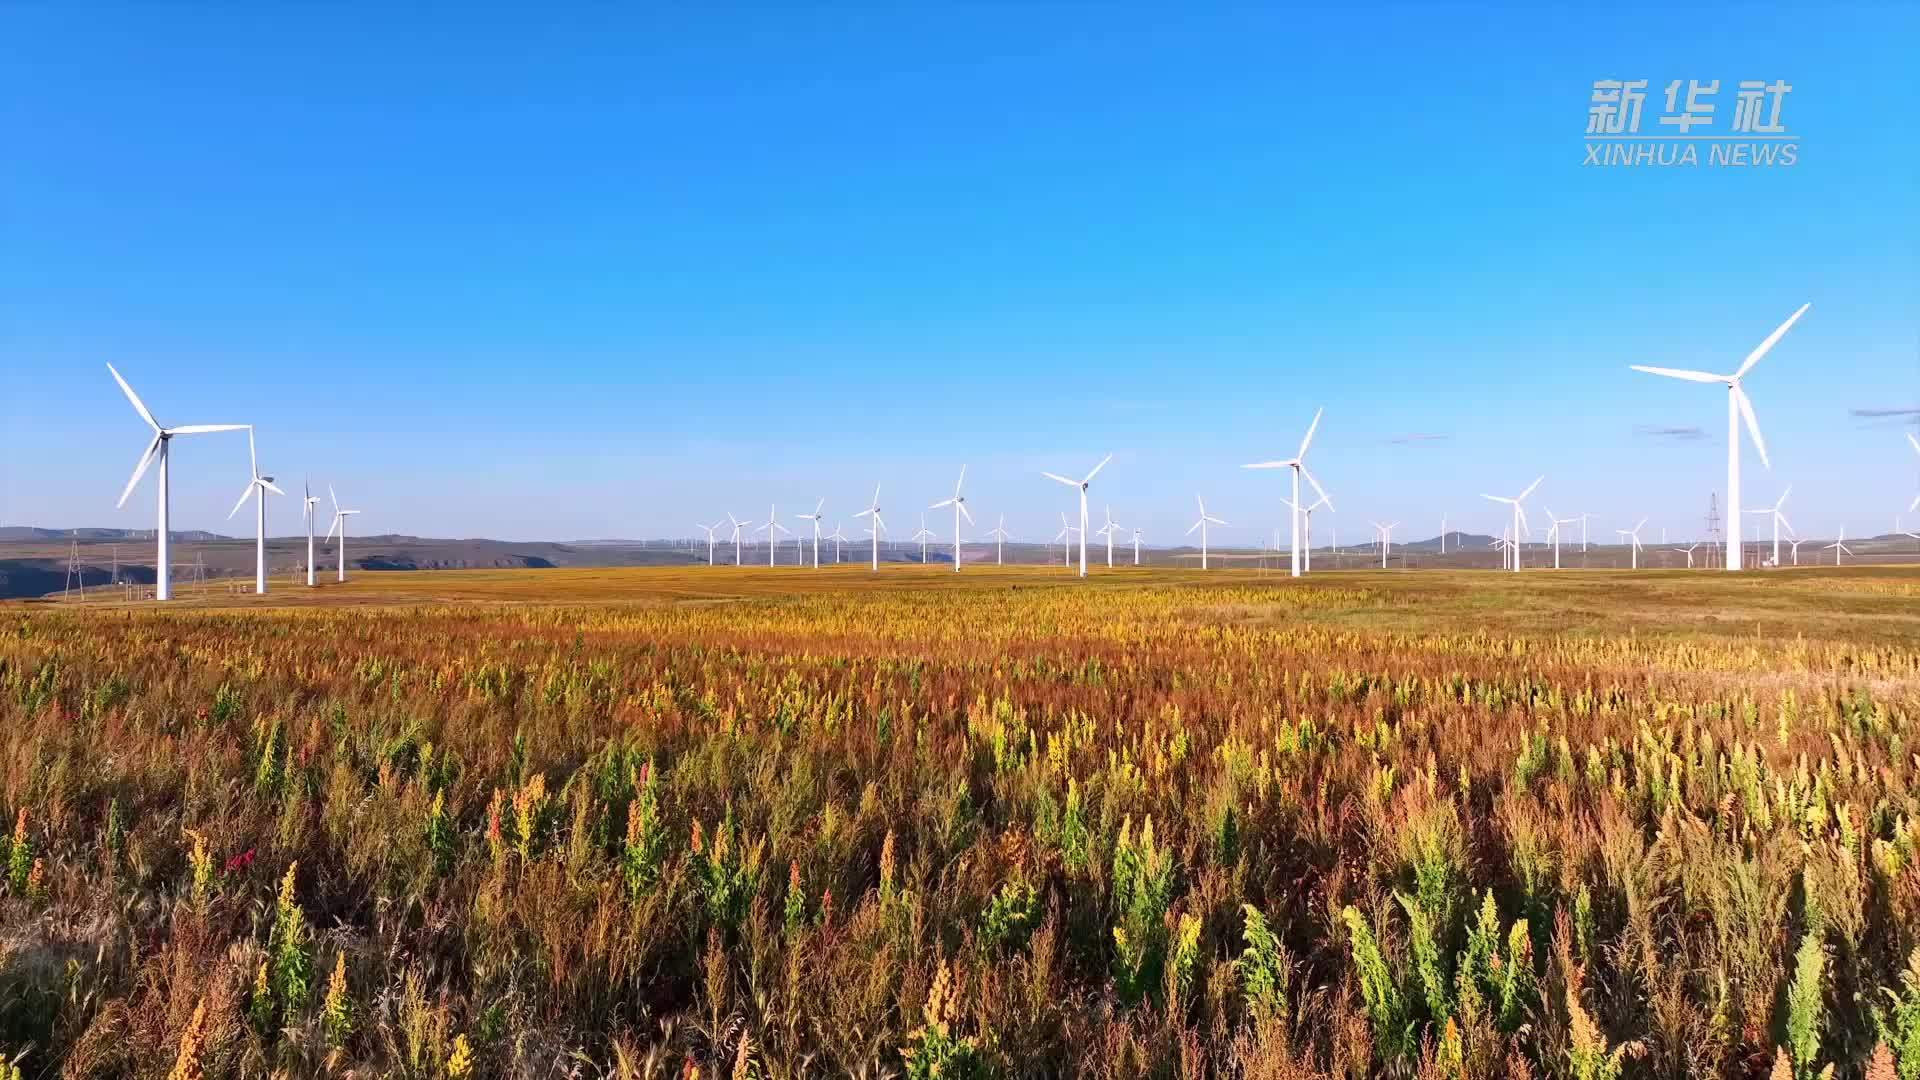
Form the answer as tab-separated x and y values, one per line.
75	575
1715	542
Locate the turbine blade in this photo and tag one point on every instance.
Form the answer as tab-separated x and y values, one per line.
253	458
1097	468
1497	498
1324	497
331	497
959	482
1311	428
965	513
242	502
1772	340
1061	479
1914	442
941	503
1195	525
1530	488
268	484
138	405
140	470
1268	465
202	429
1753	425
1676	373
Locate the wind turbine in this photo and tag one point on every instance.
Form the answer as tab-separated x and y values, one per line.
1082	486
1584	515
257	485
999	534
710	531
1136	547
1553	533
837	538
1738	408
1443	534
339	522
878	526
738	527
925	534
1386	540
1065	537
773	529
1688	551
1795	545
959	504
1306	555
1633	535
1779	519
162	439
815	518
308	501
1202	524
1519	517
1108	530
1839	546
1298	464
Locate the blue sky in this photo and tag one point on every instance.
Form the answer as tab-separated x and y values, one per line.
608	272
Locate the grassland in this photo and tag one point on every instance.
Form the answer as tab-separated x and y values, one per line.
638	822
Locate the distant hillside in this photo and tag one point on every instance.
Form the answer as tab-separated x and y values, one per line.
30	534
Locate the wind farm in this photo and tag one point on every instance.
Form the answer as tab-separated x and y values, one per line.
1263	590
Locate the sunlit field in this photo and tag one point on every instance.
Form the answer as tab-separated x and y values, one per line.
637	822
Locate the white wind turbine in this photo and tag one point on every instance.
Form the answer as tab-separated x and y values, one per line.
1738	408
1082	486
1108	530
1584	515
739	527
340	523
1202	524
1065	539
1136	547
257	486
1633	536
1839	546
959	504
1519	516
1306	555
162	439
710	531
878	526
815	518
1386	540
1443	534
308	501
1298	464
999	533
1795	545
838	538
1688	552
1553	533
1779	519
925	534
773	529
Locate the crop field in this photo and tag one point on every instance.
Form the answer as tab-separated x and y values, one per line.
720	822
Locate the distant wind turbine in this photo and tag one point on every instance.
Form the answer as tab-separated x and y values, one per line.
1519	516
925	534
1081	485
1553	533
158	449
1738	408
1839	546
815	518
773	529
1778	518
999	534
1633	535
1688	551
710	531
1202	524
837	539
1108	530
1386	540
1298	464
257	486
959	504
340	525
878	526
1065	539
738	528
308	501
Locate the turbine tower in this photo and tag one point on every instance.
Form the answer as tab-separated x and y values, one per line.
1202	524
710	531
339	522
1386	540
1553	532
738	527
1633	536
838	538
773	529
878	526
1298	464
1738	408
1519	517
959	504
1082	485
1839	546
258	485
158	448
925	534
1108	530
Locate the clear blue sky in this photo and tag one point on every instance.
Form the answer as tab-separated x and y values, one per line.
606	273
